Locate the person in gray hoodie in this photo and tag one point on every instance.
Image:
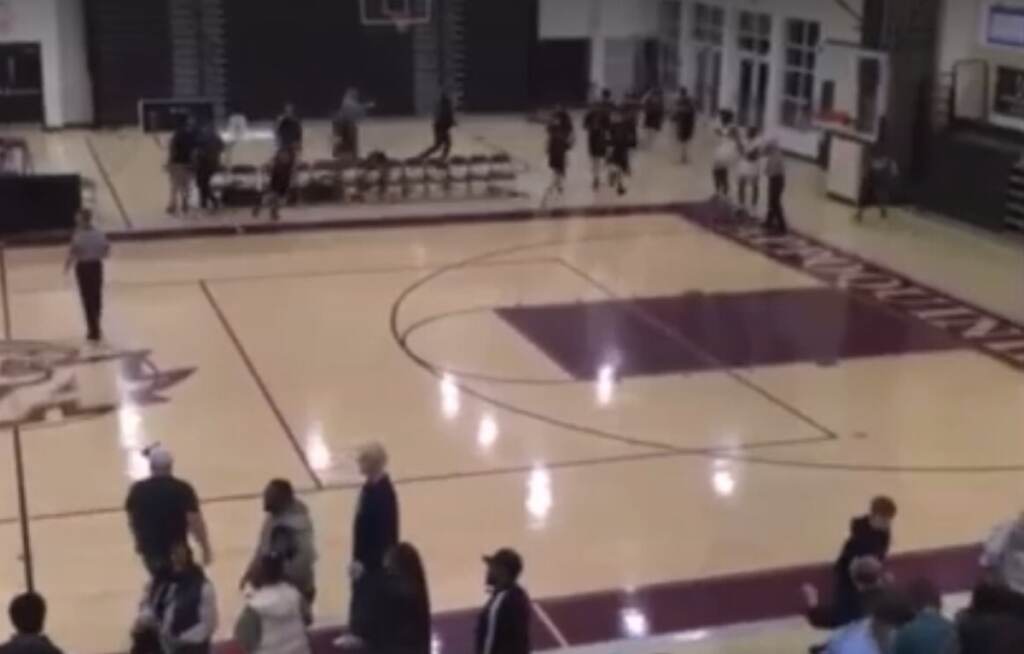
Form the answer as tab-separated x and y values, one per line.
287	533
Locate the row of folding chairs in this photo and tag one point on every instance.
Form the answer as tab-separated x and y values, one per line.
375	176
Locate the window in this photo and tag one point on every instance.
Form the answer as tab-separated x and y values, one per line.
755	33
798	72
708	24
669	24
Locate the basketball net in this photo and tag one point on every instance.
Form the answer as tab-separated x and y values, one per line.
402	21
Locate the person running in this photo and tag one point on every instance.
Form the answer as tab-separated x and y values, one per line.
654	115
560	141
444	121
775	171
209	149
725	156
596	123
876	190
622	139
89	247
288	129
180	156
282	170
685	117
748	171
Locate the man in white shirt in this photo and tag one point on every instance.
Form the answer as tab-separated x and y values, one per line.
89	247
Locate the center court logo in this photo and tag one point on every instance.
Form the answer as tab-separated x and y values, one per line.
45	383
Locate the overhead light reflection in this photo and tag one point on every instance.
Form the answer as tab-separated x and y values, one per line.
450	402
319	455
538	495
131	436
722	479
487	431
436	644
605	387
634	622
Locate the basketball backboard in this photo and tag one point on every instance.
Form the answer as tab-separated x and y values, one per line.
394	13
853	91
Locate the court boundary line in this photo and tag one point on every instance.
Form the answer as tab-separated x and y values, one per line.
109	182
261	384
20	472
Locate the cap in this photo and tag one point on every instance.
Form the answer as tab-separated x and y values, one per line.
159	457
507	559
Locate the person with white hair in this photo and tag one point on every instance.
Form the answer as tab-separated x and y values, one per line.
162	512
375	531
1002	557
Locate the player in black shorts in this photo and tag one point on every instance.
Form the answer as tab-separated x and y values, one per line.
654	114
282	169
622	139
560	141
596	122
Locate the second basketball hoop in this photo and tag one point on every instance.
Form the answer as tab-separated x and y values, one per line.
402	15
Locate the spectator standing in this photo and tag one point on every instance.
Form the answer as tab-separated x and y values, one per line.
209	150
990	625
274	618
929	632
1003	556
162	511
375	532
28	617
346	125
873	634
504	623
399	620
89	248
748	171
180	157
685	117
725	156
286	536
179	608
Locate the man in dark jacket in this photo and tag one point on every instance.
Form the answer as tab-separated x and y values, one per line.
504	623
870	536
28	613
374	533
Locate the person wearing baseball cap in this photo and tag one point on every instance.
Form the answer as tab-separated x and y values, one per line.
162	511
504	623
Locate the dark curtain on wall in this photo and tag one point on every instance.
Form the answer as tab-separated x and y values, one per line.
308	52
500	37
129	56
560	73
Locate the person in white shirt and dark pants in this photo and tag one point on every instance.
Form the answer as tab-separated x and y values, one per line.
89	247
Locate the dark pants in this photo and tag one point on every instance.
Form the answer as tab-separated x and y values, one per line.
364	592
204	175
776	218
750	184
90	288
721	179
442	142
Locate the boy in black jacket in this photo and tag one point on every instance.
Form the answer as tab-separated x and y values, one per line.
504	623
857	571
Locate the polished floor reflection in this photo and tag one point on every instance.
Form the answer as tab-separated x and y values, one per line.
657	408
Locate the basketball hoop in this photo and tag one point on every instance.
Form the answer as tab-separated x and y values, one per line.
402	21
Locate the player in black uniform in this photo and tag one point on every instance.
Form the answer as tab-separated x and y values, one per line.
560	141
654	114
282	169
622	139
596	123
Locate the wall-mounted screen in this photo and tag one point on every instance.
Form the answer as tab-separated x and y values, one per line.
1005	26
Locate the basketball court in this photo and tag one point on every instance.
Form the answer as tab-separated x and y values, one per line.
670	413
591	385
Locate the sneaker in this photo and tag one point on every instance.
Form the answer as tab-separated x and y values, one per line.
348	641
